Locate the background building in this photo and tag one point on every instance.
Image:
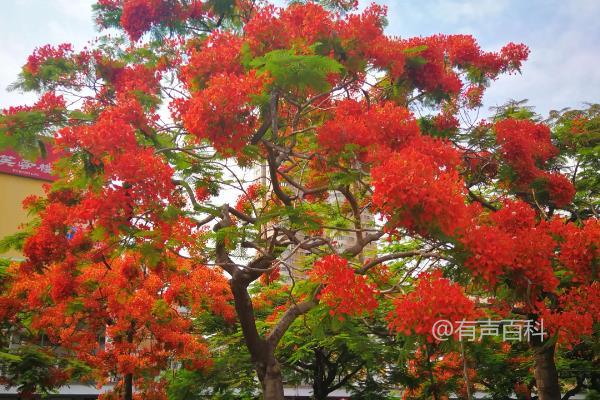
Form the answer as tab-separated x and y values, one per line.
19	178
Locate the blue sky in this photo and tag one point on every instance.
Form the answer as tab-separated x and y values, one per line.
564	37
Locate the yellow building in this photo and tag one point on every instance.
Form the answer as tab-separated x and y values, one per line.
18	179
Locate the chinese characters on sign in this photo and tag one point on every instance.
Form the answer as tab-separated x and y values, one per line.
508	329
12	163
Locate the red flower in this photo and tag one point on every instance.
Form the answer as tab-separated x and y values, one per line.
223	112
560	189
47	53
138	16
419	188
434	298
525	145
344	292
511	243
219	53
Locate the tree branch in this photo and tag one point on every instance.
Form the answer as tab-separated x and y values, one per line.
287	319
261	130
274	179
482	201
345	380
575	390
358	247
394	256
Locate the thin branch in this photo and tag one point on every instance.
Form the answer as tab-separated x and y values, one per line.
395	256
287	319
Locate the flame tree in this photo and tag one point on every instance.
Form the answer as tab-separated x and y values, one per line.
210	145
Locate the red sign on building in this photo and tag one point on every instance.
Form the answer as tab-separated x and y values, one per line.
12	163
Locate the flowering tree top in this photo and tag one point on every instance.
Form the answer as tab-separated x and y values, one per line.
181	109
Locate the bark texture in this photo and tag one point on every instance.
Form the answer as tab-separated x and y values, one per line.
546	376
128	387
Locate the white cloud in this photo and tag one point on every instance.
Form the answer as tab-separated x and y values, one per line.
564	39
27	24
459	11
76	10
561	73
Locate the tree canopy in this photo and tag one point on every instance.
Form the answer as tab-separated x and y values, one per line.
291	190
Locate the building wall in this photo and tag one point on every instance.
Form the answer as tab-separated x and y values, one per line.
14	189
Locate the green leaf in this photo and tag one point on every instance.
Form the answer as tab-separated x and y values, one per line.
290	70
14	241
74	306
10	357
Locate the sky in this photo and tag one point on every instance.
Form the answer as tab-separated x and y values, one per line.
564	38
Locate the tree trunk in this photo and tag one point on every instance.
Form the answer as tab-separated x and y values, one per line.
128	380
128	387
546	377
433	388
269	374
319	386
262	352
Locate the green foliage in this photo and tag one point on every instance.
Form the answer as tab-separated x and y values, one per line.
354	354
14	241
47	76
292	71
221	7
577	135
515	110
33	369
491	364
109	17
23	133
230	377
580	363
4	264
334	5
592	395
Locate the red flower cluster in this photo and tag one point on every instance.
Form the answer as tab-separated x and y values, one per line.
110	4
49	102
50	240
252	193
434	298
144	173
444	52
218	54
561	190
47	53
136	302
446	369
137	79
344	291
384	124
526	148
525	145
202	193
14	118
299	25
512	244
473	96
419	188
362	38
223	111
138	16
579	248
576	314
112	133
